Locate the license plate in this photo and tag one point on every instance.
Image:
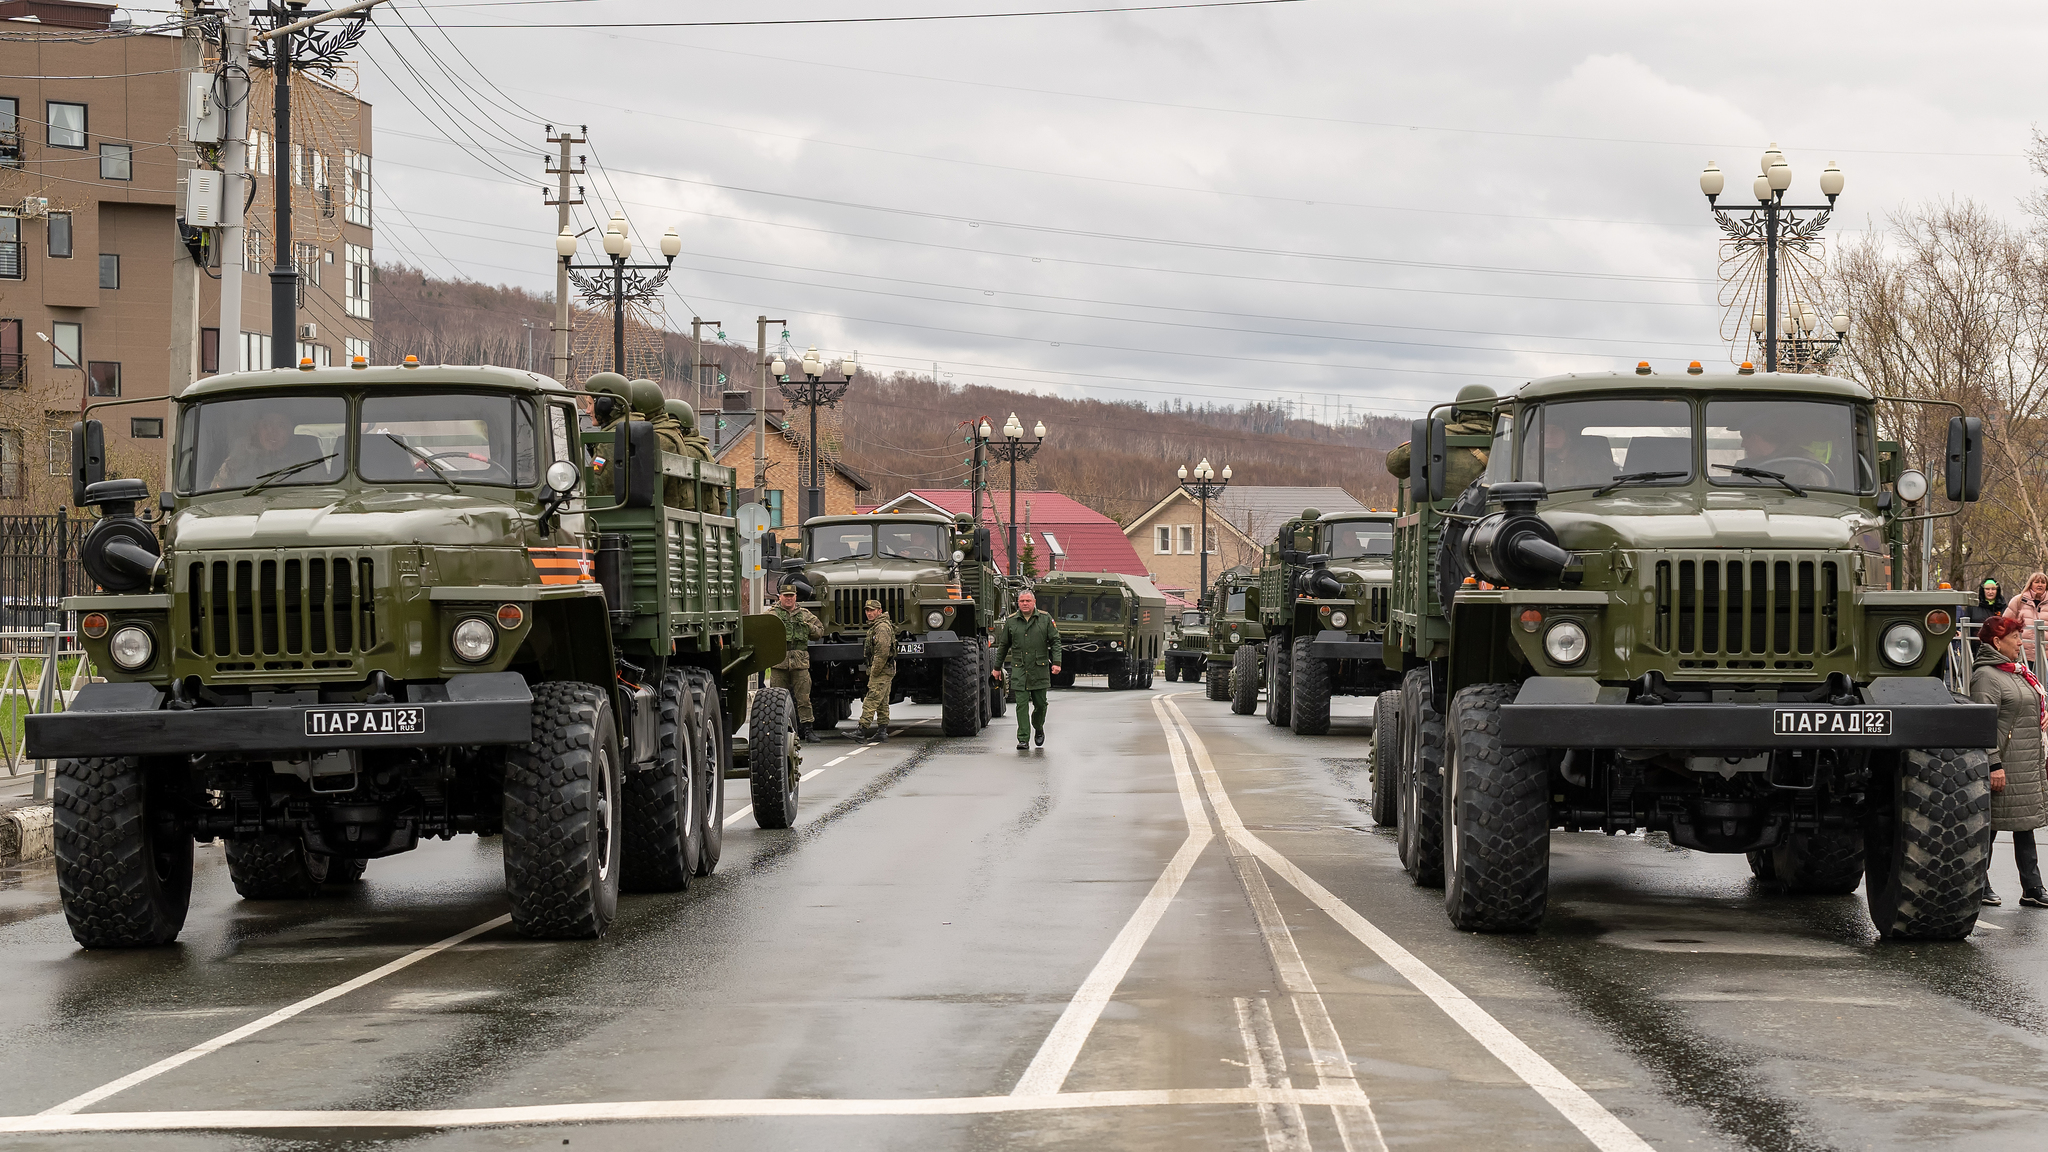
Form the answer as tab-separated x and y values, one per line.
910	648
377	721
1834	722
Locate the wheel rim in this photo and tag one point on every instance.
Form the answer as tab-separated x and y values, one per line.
1451	775
686	759
602	808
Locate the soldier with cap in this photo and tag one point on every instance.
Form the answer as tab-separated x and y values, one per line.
880	652
799	628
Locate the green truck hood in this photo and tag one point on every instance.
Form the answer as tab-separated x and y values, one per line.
1686	521
846	573
331	519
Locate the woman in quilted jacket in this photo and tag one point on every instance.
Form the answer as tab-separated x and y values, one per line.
2029	606
2019	783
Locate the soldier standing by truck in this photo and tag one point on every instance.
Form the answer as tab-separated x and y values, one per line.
799	628
1034	639
880	652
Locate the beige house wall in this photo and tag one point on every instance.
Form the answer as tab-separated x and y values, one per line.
785	475
1166	537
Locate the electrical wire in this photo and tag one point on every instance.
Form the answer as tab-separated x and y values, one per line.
881	19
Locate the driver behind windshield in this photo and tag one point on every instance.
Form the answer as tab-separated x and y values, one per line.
270	446
908	545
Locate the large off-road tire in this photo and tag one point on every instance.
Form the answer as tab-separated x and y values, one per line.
1218	687
275	866
660	819
772	762
563	803
1308	713
714	744
1421	835
1386	759
1279	682
1119	674
124	865
960	715
1824	862
1172	668
1244	680
1928	843
1496	820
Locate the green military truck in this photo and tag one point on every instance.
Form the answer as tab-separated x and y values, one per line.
1671	604
1111	625
1323	602
1236	640
370	609
936	581
1187	645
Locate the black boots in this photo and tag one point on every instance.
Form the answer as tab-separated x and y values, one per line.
1038	734
803	733
871	736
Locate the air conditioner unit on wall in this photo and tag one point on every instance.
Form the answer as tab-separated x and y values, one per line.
35	206
309	331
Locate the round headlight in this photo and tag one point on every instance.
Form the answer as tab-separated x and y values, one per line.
1565	643
1233	638
934	619
1902	645
132	648
1911	485
1339	619
474	639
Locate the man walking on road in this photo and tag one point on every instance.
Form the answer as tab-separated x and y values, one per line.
799	628
1028	656
880	652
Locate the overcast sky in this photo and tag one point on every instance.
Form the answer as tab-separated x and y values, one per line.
1360	203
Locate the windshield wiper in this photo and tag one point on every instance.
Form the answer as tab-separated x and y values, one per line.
440	473
274	474
1633	477
1764	474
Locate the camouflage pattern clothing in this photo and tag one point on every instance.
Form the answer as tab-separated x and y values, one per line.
696	447
799	628
612	405
880	652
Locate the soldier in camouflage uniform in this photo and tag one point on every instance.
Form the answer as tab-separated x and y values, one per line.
1028	657
799	628
650	405
696	446
611	403
880	652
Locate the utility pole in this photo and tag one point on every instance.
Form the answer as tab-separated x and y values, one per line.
699	364
563	201
184	267
234	155
761	324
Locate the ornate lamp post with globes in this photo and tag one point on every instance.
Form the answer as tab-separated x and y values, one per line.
616	281
1204	486
1771	225
1013	447
813	395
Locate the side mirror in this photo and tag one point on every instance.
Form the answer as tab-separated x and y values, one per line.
88	458
1965	458
1426	461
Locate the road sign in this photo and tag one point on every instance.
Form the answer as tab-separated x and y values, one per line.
753	520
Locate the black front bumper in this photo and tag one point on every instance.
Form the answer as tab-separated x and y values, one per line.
1331	644
1554	712
130	720
930	646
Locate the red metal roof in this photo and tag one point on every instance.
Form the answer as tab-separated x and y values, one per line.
1088	541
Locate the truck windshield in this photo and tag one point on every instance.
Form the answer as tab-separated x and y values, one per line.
1191	620
909	541
1234	604
1350	540
841	542
1072	609
1811	443
1592	443
271	440
1107	610
468	438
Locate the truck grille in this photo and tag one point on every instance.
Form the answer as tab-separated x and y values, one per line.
848	605
280	613
1750	610
1378	602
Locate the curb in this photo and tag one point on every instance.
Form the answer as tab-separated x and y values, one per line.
25	834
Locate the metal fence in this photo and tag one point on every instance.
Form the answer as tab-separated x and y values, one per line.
38	568
1962	652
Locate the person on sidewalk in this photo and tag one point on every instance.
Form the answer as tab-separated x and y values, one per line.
2029	606
880	651
2019	783
1027	658
1991	602
799	628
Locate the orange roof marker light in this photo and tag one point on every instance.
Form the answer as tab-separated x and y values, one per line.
359	363
1694	369
1642	367
305	363
412	361
1747	369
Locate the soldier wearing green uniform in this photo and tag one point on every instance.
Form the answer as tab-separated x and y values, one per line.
880	652
1028	657
611	403
799	628
696	446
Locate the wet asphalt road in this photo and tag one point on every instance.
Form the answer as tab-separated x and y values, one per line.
1129	931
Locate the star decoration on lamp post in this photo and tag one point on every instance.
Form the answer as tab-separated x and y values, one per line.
813	394
616	282
1760	237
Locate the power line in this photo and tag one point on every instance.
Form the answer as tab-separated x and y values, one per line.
868	19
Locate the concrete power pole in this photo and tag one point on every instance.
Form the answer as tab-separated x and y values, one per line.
185	271
563	202
699	364
235	166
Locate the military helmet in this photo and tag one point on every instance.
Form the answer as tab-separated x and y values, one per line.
963	521
611	384
1310	514
647	398
1475	398
684	414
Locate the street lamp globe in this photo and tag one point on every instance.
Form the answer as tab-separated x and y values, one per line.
1038	430
1712	180
1771	156
618	224
1780	175
1841	322
812	365
565	245
1831	181
1226	471
847	367
671	244
986	431
1756	322
778	368
1762	187
1183	471
1012	429
615	242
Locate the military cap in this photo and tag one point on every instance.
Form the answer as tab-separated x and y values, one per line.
789	584
684	414
873	606
647	398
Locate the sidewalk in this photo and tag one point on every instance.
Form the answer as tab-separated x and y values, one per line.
24	824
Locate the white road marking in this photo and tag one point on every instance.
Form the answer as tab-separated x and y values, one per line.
1572	1102
88	1099
1055	1058
1983	923
1286	1131
655	1110
836	763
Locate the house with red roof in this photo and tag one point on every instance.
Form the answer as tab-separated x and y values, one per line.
1067	534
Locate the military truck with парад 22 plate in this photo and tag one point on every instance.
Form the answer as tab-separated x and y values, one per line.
1187	645
1111	625
372	609
1236	656
1323	595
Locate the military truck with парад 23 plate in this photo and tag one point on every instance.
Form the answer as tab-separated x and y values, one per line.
1110	624
1323	595
1236	656
1682	616
372	609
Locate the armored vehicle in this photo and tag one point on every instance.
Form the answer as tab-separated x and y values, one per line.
1187	645
1110	625
1682	614
372	608
1323	597
936	581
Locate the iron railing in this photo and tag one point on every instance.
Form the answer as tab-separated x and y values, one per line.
38	568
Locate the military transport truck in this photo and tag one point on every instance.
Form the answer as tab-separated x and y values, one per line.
1187	645
371	608
1682	615
1110	625
1323	596
936	581
1236	655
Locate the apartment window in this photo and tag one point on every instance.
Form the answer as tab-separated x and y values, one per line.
306	258
252	247
353	348
774	507
1162	541
1187	539
11	375
10	136
358	286
57	450
64	345
110	270
146	427
11	462
117	162
321	355
102	378
255	351
10	247
67	125
60	235
358	188
209	350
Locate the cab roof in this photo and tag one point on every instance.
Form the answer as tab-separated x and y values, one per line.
1138	586
881	518
1578	383
388	375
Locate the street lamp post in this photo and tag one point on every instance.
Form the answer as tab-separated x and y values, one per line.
813	395
617	282
1772	224
1203	486
1013	447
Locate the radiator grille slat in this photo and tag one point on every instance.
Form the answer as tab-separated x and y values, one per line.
1747	610
849	605
265	610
